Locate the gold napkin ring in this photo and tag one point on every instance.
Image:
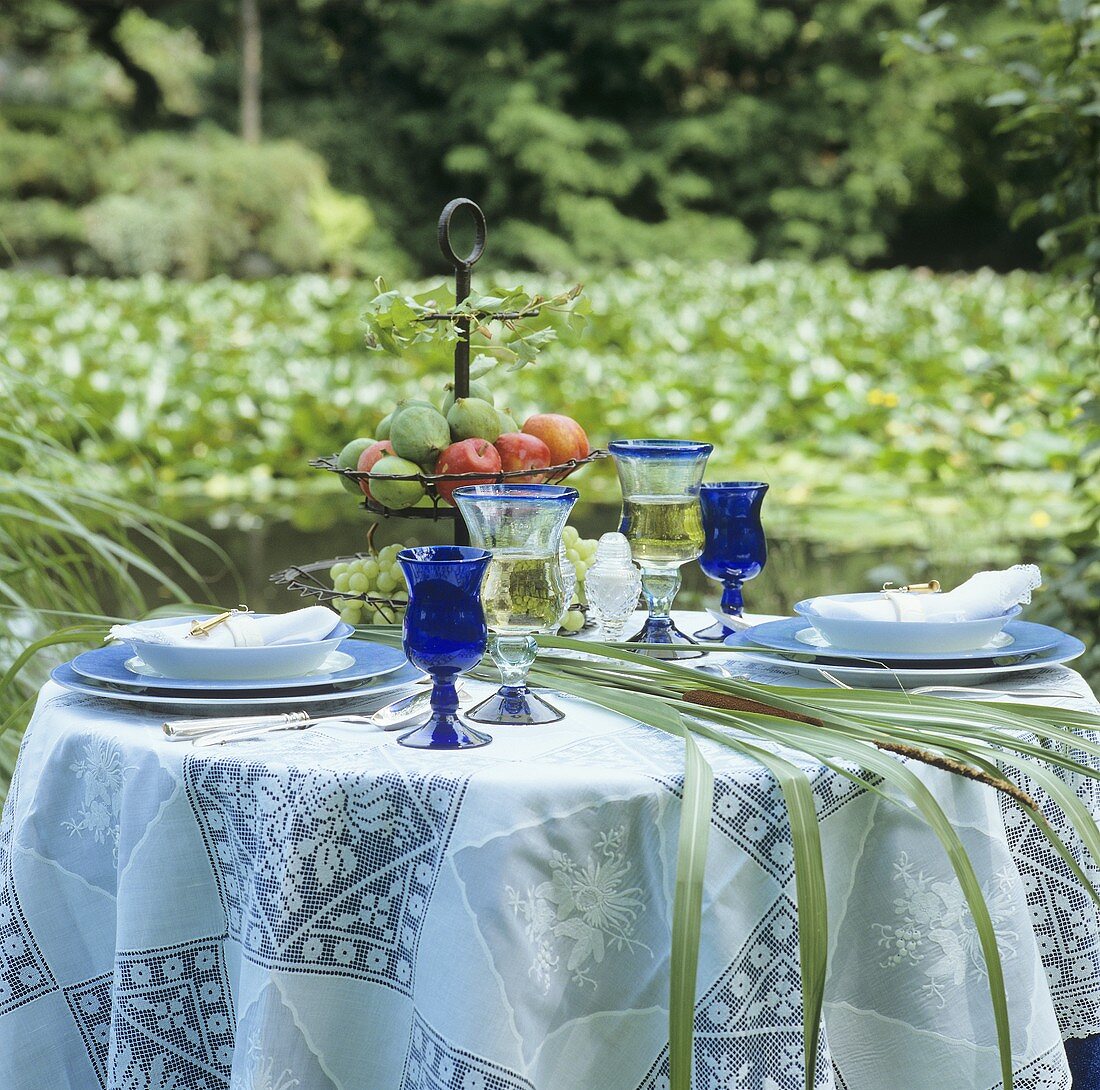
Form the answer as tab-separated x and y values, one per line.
203	628
931	587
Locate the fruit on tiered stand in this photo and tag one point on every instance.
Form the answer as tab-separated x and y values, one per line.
424	448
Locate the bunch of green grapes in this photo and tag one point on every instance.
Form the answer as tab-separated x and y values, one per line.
582	555
378	575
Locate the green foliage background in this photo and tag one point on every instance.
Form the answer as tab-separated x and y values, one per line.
595	133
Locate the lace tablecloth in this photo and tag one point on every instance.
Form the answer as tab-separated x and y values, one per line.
330	911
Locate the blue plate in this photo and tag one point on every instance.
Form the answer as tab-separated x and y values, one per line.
106	666
1022	640
864	674
242	700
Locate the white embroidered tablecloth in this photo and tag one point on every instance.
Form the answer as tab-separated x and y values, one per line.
330	911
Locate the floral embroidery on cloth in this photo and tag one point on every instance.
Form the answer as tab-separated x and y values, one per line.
261	1072
572	918
935	929
104	772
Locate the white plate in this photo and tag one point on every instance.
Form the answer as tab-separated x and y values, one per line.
197	662
812	638
854	634
364	661
407	676
873	677
335	662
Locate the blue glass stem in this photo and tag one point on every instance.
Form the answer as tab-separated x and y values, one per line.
733	602
444	704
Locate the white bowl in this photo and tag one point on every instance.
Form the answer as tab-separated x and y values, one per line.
902	637
199	663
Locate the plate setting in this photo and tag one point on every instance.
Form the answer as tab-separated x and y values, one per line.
876	674
1020	641
336	661
355	662
243	699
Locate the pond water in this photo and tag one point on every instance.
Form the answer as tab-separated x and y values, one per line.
795	569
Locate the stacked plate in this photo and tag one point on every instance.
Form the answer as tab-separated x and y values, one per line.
343	670
1018	646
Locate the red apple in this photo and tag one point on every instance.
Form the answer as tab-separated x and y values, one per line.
467	456
562	434
373	453
518	450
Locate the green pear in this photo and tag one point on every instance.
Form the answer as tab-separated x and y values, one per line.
396	495
478	389
419	433
472	418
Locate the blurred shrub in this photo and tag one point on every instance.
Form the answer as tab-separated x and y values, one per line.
205	201
130	235
601	235
54	155
43	226
182	205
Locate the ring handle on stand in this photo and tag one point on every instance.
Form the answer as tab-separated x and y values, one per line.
462	267
445	218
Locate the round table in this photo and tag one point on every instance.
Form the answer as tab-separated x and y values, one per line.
327	910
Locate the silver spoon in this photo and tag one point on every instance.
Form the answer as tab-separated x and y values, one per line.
405	710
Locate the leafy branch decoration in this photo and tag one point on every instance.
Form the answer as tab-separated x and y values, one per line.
507	326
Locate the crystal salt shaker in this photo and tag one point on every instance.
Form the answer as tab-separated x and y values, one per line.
612	585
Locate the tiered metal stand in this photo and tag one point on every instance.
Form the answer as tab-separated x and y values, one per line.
310	579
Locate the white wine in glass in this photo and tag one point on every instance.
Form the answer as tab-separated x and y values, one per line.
663	522
663	529
523	592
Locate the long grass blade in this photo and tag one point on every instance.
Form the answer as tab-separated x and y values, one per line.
809	875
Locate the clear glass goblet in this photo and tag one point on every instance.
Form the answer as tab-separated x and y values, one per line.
444	633
735	549
661	519
523	593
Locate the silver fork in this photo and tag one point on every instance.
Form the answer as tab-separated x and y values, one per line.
1059	694
243	734
923	690
390	716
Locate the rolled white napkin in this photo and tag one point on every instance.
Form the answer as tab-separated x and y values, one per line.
986	594
241	630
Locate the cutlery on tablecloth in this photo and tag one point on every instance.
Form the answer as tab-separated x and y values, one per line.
389	717
1058	694
195	728
219	738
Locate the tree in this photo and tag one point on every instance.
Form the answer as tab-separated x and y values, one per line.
251	71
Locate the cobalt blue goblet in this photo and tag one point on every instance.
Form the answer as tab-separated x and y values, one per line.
444	634
734	546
